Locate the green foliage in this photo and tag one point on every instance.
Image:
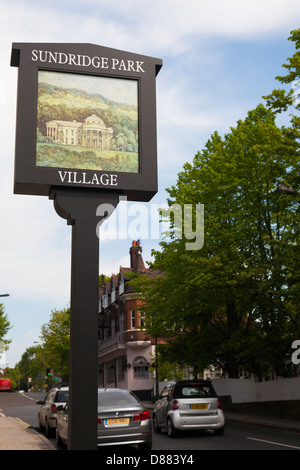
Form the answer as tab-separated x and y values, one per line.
57	103
56	342
5	326
51	353
234	301
293	65
281	100
166	369
69	156
103	278
28	366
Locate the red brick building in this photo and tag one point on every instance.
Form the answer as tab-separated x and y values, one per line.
125	350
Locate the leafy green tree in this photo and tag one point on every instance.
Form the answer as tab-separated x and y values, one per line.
55	336
165	369
28	367
235	302
5	326
284	99
230	302
51	353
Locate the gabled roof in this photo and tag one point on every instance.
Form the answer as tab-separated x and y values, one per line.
137	265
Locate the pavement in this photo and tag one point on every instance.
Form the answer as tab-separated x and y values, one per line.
17	435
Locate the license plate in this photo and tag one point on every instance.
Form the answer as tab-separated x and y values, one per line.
202	406
117	422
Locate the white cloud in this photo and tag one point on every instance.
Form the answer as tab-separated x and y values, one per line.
171	26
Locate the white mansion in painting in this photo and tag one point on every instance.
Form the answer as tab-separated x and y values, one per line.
92	133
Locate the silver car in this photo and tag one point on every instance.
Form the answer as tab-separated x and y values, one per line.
122	420
188	405
57	395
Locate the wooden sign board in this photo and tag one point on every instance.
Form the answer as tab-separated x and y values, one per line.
86	118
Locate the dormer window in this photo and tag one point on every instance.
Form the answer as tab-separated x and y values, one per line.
142	319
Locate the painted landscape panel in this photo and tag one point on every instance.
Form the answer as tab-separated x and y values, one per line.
87	122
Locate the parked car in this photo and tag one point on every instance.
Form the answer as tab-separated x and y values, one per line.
122	420
188	405
57	395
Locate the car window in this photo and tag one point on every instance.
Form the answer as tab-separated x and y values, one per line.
62	396
165	391
116	399
194	390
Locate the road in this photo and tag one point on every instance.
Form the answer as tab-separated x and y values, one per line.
237	436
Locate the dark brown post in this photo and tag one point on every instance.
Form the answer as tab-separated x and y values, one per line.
79	208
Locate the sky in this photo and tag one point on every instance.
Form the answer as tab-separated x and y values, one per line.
219	59
125	92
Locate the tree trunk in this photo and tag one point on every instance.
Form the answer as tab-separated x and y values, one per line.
231	366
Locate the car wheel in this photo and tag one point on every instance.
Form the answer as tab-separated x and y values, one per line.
219	431
41	428
49	431
155	424
171	431
59	442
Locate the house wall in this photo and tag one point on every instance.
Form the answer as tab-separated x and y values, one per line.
139	383
123	336
133	343
249	391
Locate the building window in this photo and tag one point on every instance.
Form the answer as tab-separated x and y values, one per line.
141	368
142	319
132	318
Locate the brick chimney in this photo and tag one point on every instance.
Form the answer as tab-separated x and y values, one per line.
136	259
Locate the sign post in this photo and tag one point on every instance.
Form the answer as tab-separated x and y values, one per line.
80	211
86	135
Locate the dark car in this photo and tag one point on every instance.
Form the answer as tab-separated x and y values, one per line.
122	420
188	405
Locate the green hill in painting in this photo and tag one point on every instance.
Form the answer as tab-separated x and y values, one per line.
57	103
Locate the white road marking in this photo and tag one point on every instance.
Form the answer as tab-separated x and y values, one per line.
274	443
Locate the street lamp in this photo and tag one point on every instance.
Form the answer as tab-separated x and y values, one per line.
286	190
4	295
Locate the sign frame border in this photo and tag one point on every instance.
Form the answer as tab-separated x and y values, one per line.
31	179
